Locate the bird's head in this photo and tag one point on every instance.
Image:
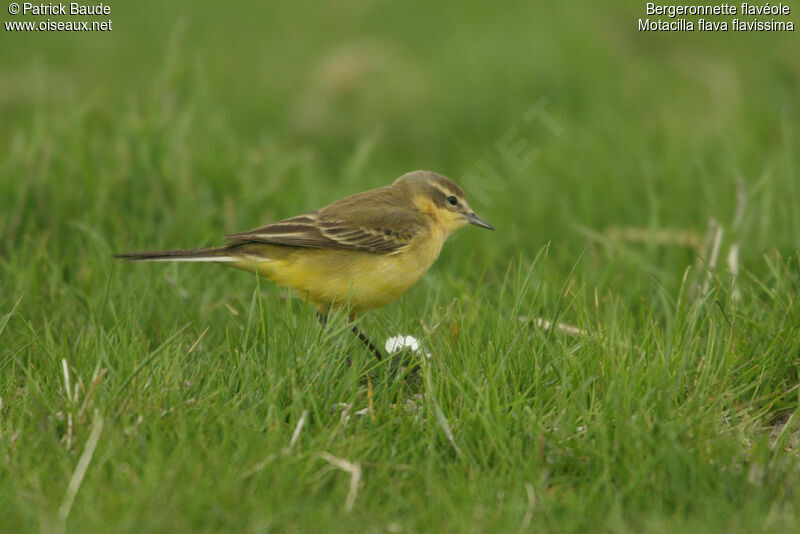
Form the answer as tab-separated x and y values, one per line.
440	199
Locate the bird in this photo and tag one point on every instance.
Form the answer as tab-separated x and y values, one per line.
360	252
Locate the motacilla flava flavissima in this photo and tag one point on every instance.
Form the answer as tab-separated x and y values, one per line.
364	250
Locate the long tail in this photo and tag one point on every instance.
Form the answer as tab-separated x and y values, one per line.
215	255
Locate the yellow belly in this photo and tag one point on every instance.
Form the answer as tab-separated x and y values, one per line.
328	277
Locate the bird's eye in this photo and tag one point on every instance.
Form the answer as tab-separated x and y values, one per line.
452	200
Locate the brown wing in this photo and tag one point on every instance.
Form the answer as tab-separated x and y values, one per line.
367	222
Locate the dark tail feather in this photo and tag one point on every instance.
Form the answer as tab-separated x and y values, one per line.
215	255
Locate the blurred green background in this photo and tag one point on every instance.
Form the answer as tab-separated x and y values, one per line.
655	126
191	120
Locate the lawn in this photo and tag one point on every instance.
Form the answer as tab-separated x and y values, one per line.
621	355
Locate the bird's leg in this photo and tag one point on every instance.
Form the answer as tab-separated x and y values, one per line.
365	340
322	317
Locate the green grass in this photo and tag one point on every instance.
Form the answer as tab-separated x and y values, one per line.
666	399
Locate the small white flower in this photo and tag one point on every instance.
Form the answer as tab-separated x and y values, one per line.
398	343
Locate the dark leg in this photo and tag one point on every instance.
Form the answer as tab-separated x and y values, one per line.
365	340
323	320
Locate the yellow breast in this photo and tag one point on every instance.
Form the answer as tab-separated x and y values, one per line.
328	277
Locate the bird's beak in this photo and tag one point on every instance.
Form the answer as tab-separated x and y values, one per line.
478	221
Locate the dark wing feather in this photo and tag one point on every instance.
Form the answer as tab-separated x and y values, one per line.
365	223
298	231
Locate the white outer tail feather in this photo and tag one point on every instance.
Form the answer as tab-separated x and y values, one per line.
211	259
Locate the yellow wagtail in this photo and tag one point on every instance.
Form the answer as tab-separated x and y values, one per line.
364	250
